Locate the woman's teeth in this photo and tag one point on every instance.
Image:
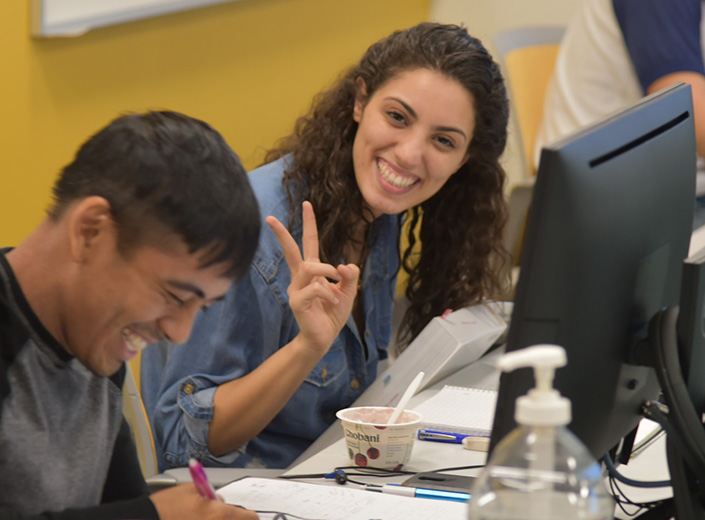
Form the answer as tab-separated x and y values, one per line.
392	178
134	342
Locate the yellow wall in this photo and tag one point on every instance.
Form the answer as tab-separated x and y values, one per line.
248	67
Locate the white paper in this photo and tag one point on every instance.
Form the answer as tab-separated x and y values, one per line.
334	502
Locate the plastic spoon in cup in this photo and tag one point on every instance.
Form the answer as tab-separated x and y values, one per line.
408	394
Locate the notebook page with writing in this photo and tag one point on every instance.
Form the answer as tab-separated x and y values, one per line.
334	502
455	409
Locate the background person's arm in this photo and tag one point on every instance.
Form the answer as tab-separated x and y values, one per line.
664	42
244	406
697	83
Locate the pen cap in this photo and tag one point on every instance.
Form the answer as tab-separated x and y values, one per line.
543	405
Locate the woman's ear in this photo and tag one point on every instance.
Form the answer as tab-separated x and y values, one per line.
90	226
465	159
360	98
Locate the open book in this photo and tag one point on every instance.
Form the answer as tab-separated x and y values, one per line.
447	344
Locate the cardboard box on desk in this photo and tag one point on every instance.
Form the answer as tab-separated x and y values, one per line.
447	344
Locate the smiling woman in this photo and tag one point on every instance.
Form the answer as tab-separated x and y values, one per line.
415	128
412	135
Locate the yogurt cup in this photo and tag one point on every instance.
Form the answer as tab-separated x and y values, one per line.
372	442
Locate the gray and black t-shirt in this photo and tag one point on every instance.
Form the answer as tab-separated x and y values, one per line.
61	425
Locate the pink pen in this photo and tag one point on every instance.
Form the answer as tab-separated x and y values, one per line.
200	480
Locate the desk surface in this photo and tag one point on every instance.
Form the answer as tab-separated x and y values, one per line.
427	456
480	374
329	451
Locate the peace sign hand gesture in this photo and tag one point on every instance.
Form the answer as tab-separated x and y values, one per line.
321	307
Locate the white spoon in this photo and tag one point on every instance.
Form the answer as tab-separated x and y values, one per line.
408	394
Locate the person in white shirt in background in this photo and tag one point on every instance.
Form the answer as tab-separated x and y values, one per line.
613	53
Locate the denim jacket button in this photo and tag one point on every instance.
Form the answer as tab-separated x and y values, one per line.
188	389
355	384
324	372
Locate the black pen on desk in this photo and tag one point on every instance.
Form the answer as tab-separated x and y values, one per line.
454	438
406	491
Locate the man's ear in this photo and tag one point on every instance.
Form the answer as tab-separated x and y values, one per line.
360	99
90	226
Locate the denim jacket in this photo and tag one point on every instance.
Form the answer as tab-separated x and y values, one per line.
237	334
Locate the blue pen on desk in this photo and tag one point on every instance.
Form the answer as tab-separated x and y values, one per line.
454	438
200	480
406	491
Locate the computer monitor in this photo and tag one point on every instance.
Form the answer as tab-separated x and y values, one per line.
608	230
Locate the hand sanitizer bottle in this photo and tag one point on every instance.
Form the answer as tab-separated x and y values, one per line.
540	470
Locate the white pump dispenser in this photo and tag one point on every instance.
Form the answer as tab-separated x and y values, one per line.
543	405
540	470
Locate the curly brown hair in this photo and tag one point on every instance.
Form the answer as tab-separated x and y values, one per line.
462	258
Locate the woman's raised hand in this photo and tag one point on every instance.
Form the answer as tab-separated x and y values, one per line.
321	296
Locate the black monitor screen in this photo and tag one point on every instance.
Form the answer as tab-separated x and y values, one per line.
607	233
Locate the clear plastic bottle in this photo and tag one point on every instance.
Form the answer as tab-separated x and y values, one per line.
540	470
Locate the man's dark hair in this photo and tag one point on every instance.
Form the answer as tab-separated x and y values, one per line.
166	172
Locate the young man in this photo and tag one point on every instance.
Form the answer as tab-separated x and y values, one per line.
152	221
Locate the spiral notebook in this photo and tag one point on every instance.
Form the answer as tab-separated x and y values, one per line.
456	409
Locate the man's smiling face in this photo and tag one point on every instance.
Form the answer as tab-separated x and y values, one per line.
116	305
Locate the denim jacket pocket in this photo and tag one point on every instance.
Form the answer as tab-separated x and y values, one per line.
195	398
330	367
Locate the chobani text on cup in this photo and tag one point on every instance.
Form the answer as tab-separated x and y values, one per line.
361	436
